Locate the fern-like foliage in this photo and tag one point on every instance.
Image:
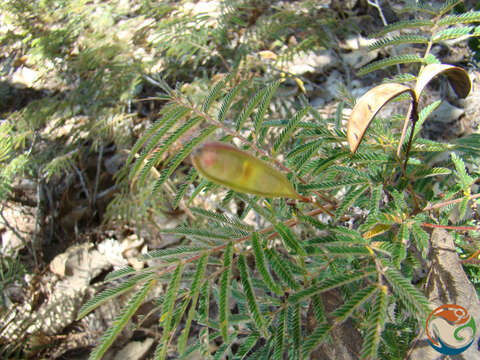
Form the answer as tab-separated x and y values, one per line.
265	264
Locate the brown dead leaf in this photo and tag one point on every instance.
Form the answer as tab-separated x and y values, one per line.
367	108
458	78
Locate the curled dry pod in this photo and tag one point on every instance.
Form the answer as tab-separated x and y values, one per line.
367	107
458	78
226	165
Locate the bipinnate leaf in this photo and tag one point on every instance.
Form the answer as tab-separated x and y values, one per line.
367	108
249	292
458	78
279	348
167	312
260	262
194	294
356	301
330	283
289	239
224	290
376	322
111	293
247	345
414	300
119	323
315	339
226	165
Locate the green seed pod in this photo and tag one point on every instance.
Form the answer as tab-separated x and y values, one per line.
226	165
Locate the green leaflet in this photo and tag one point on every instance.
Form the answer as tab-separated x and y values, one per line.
213	95
230	220
349	199
357	300
192	175
167	312
158	153
294	325
329	284
111	293
247	345
289	239
282	271
182	155
248	289
225	289
315	339
227	101
287	132
260	262
280	335
414	300
194	294
264	104
248	109
203	318
396	40
376	321
390	61
400	245
119	323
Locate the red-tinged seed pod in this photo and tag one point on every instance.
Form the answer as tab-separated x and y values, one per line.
226	165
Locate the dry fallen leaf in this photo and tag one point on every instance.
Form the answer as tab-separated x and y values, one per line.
226	165
367	107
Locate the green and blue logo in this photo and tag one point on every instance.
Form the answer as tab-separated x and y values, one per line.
450	329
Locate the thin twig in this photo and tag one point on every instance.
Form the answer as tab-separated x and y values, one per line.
376	5
48	191
82	181
449	202
289	223
97	175
452	227
35	229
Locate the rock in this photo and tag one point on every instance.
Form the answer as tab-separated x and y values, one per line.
446	113
132	247
311	62
359	58
59	128
76	267
356	42
114	163
472	110
17	225
25	76
359	54
134	350
80	263
318	102
212	8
